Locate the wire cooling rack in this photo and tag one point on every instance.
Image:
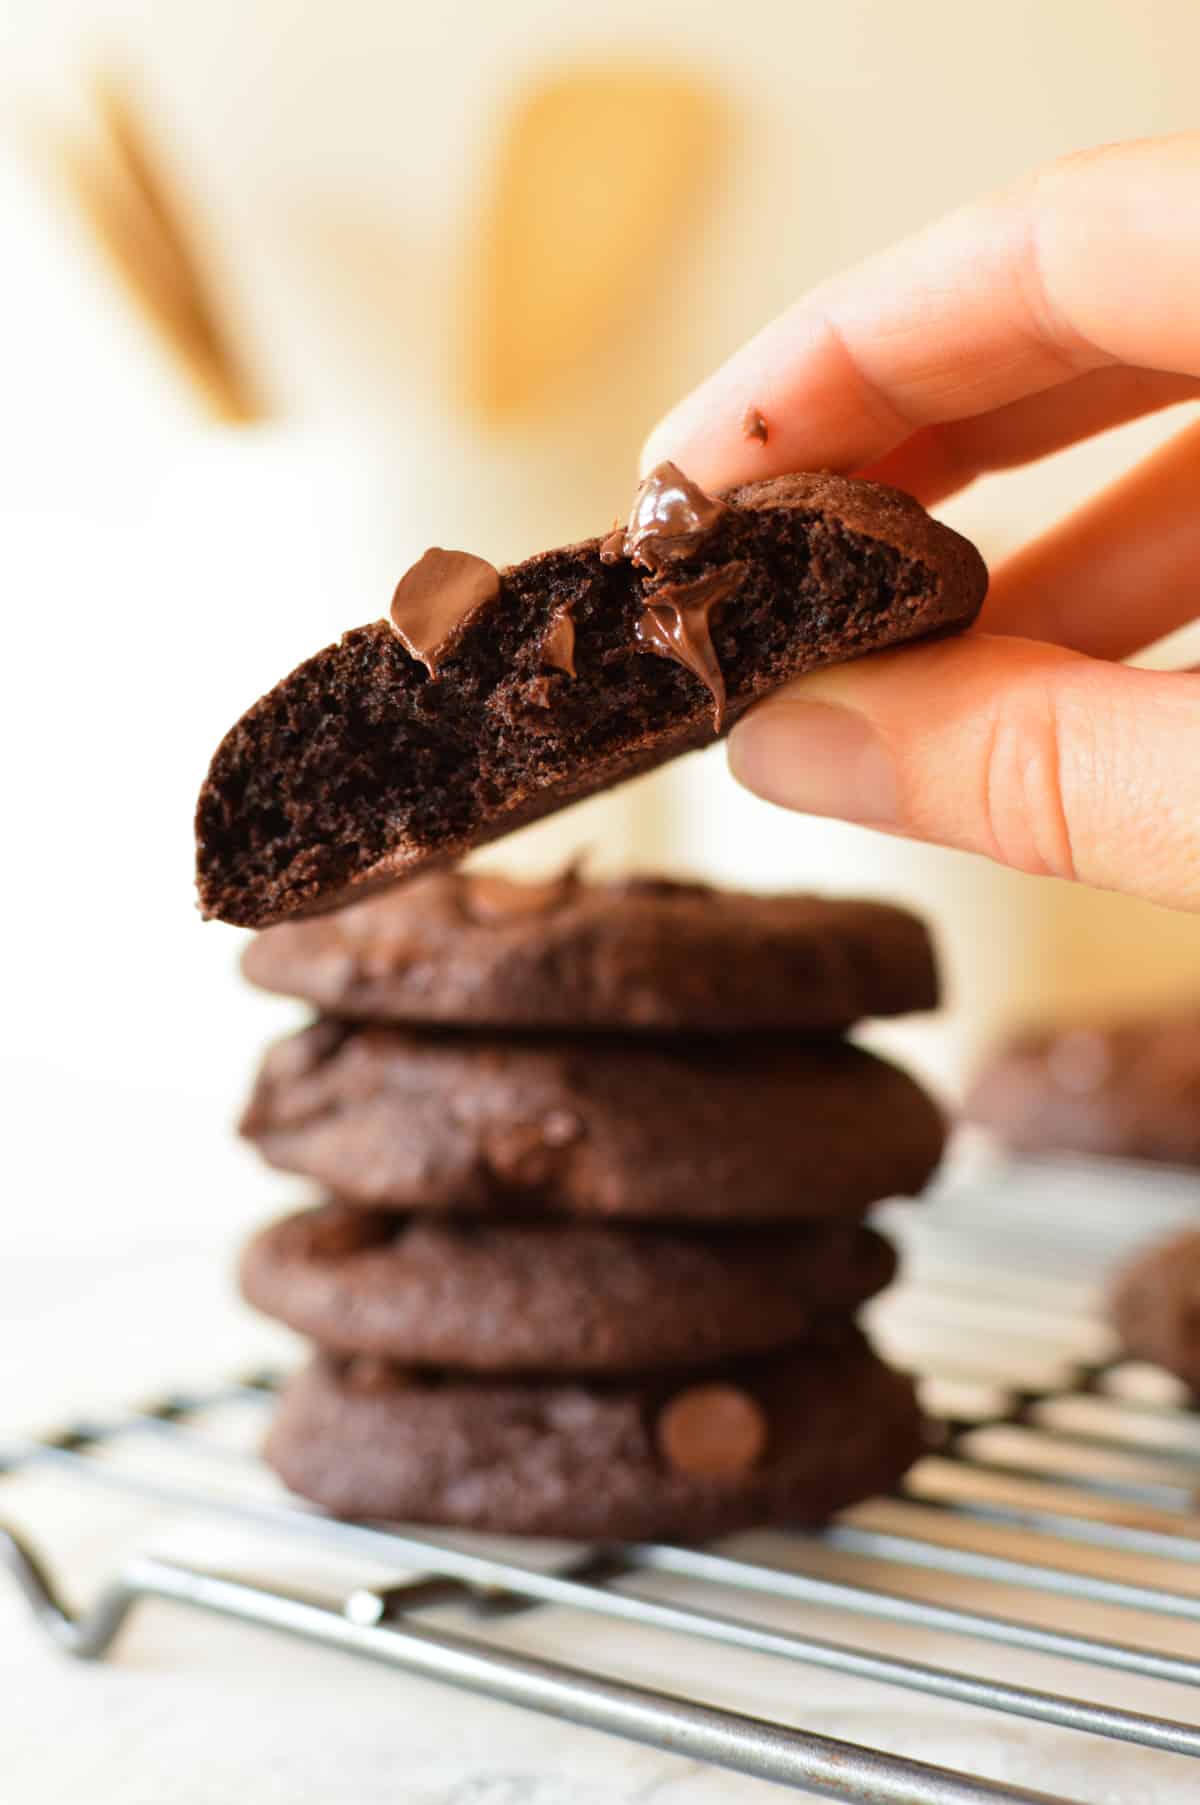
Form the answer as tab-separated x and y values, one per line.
1088	1466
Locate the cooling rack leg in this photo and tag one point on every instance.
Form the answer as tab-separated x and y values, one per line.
87	1636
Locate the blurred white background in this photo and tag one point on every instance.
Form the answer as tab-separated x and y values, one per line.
338	164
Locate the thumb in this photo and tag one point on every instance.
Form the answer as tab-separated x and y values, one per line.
1053	763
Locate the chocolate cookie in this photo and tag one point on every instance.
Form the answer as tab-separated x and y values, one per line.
487	699
1128	1091
755	1128
1155	1303
644	953
575	1297
789	1438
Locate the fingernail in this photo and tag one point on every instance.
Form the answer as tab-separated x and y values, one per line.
819	759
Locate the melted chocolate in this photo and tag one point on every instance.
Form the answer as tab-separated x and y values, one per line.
435	600
670	520
675	624
558	647
754	426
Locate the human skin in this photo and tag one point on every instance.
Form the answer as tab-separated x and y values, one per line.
1020	324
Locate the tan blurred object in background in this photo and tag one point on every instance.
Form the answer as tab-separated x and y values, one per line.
114	176
596	174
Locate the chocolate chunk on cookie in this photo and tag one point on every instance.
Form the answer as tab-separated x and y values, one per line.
644	953
1154	1302
576	1297
755	1128
1130	1090
487	699
789	1438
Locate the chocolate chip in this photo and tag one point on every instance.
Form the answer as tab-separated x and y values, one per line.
435	600
558	647
497	899
670	520
712	1432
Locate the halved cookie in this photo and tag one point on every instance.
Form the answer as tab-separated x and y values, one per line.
487	699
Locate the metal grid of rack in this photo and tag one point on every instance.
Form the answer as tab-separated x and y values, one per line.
1046	1434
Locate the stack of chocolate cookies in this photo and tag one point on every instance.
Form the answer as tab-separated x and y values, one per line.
598	1159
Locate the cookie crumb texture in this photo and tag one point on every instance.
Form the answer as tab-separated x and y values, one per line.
360	767
815	1429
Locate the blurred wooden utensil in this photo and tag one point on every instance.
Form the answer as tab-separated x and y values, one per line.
596	169
115	179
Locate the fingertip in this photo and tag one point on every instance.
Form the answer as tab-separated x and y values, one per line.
717	436
815	757
657	446
684	436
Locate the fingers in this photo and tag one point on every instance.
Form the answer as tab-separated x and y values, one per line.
940	460
1034	756
1080	266
1120	572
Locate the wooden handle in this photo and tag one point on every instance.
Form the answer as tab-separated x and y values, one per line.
597	171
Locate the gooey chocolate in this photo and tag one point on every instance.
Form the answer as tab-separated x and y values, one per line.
675	624
670	519
435	600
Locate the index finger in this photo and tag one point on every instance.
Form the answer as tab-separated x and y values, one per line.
1084	264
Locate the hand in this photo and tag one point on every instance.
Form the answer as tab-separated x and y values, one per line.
1025	322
